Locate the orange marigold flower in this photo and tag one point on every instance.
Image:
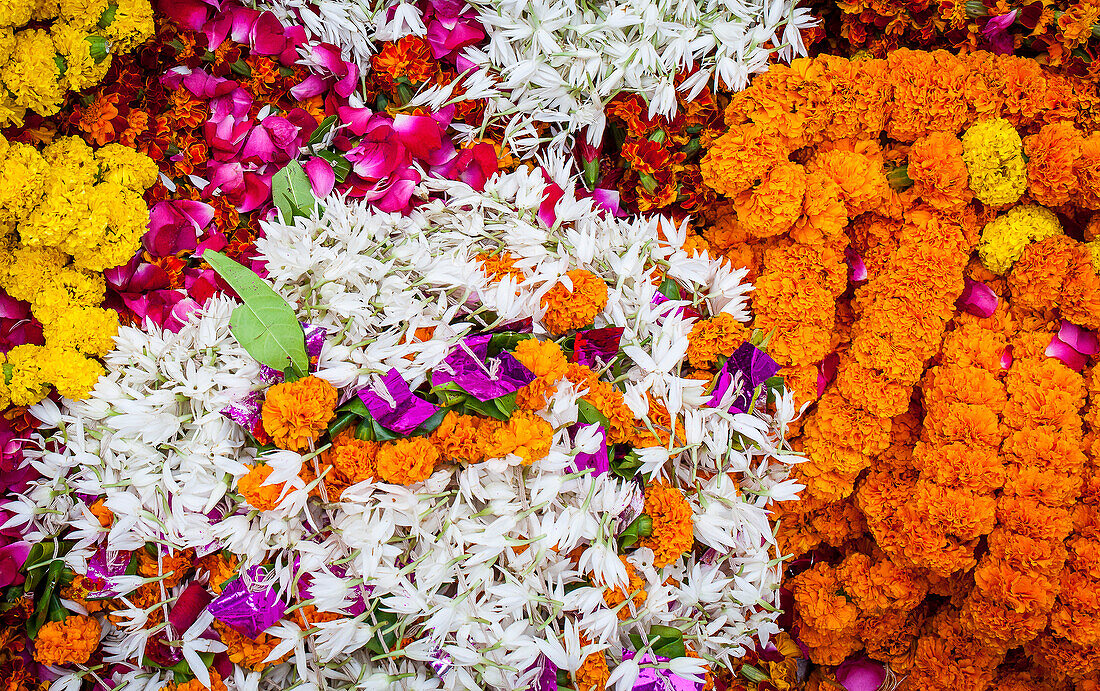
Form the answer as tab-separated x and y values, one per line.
464	438
104	515
821	599
497	266
938	172
174	565
525	434
775	204
219	567
593	674
672	524
295	414
568	309
635	592
547	363
609	401
1051	157
71	641
405	461
353	458
98	118
740	158
216	684
713	338
256	493
249	653
409	57
860	176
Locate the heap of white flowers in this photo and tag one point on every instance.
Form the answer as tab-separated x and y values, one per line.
560	61
444	555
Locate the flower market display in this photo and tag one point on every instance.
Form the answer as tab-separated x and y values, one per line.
422	344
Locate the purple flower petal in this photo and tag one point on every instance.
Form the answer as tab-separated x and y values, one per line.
394	405
599	460
321	176
12	558
857	270
749	365
103	568
247	411
977	299
248	605
1006	358
655	679
485	378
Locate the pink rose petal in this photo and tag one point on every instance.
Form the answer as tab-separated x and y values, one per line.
861	674
1065	352
1081	340
977	299
857	270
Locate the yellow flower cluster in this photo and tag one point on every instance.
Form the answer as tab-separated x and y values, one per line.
1005	238
37	66
994	155
66	214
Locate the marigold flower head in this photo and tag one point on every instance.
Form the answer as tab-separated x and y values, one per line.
497	266
525	434
126	167
32	76
741	158
295	414
672	522
352	458
1051	159
773	206
993	152
713	338
860	175
938	171
71	641
464	438
249	653
406	461
1005	238
220	568
635	592
568	309
256	493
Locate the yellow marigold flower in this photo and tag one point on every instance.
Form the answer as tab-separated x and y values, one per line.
406	461
7	38
60	215
68	289
67	642
27	381
32	76
568	309
23	171
713	338
672	524
256	493
45	10
82	14
1005	237
132	24
1094	248
73	375
11	113
16	13
993	152
119	219
295	414
127	167
69	158
82	69
30	269
91	330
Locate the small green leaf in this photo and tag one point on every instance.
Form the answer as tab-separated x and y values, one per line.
340	165
430	425
506	404
355	405
485	408
265	325
291	192
108	15
627	466
670	289
664	640
343	421
385	636
642	526
506	341
322	130
589	414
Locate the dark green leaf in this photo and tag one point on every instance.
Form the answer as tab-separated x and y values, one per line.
290	375
642	526
485	408
265	325
355	405
430	425
385	636
506	341
322	130
340	165
343	421
664	640
627	467
291	192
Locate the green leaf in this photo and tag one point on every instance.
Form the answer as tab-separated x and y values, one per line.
385	636
355	405
291	192
370	430
343	421
506	404
486	408
108	15
642	526
589	414
664	640
340	165
627	467
265	325
430	425
506	341
322	130
670	289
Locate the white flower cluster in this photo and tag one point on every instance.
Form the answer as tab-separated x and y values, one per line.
559	62
491	568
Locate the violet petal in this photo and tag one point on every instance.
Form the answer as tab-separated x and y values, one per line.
247	605
977	299
861	674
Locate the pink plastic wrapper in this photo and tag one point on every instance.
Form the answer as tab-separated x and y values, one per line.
103	568
755	367
479	375
653	679
395	407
